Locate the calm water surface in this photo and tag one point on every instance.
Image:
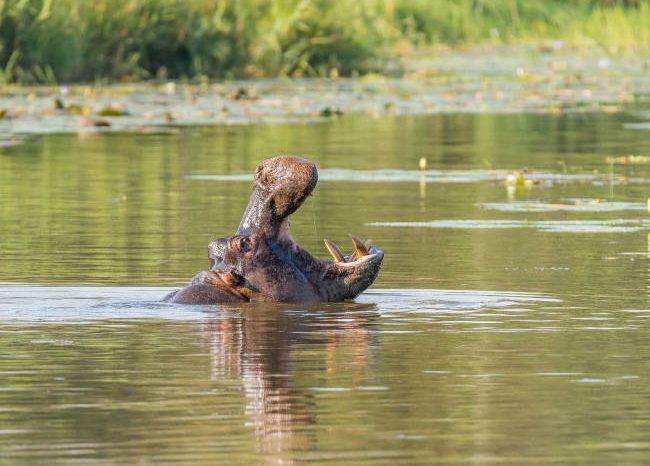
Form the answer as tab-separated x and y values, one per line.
509	323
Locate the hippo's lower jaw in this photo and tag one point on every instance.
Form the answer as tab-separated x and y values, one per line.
262	262
346	276
349	279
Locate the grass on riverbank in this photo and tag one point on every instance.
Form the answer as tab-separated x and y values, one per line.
47	41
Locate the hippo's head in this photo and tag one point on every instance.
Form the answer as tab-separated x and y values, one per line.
263	262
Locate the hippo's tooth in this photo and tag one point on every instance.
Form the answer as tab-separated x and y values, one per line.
334	251
360	249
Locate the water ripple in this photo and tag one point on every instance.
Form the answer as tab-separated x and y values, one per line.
565	205
549	226
421	176
88	303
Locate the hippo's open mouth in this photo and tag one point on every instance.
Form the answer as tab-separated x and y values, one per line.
263	262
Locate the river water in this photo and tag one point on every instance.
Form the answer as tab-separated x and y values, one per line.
509	323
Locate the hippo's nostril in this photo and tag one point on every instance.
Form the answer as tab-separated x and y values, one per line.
262	176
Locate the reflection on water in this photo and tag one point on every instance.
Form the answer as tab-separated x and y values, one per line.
436	363
257	348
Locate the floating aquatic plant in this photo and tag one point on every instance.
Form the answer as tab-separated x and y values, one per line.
328	112
629	160
110	111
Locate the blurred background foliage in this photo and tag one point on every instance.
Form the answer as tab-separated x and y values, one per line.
47	41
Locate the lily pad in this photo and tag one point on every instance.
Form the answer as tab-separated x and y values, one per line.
112	112
328	112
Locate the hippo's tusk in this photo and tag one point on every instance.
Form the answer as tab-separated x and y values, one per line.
360	248
334	251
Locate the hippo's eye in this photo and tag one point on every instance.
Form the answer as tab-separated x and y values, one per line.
242	243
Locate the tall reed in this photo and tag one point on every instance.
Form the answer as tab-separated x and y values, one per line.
52	41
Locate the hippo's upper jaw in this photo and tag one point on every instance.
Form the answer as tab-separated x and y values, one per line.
262	262
281	185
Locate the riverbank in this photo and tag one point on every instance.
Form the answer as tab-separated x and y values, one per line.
477	80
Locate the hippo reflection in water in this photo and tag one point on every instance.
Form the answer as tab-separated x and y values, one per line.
262	262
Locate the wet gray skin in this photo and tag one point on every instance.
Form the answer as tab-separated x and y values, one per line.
262	262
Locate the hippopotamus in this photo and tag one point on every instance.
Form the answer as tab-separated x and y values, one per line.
262	261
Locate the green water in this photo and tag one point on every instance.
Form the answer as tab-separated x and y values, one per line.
508	325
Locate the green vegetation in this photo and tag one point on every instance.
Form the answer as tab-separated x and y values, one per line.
47	41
